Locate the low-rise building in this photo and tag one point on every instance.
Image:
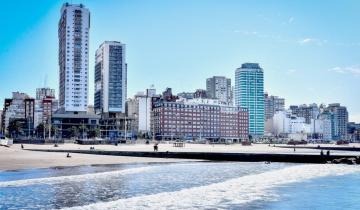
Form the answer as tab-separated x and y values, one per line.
199	119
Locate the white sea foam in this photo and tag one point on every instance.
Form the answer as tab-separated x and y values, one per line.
73	178
232	192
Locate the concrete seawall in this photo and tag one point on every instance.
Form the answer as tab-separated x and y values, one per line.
214	156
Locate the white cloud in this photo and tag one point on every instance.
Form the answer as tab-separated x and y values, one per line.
306	41
312	41
353	70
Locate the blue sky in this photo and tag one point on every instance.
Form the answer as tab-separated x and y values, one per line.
309	50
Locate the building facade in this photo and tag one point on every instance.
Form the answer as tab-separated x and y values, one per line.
110	78
42	93
219	87
340	118
249	94
200	93
273	104
309	112
139	108
73	34
199	119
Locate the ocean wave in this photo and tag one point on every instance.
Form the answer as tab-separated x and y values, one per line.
74	178
233	192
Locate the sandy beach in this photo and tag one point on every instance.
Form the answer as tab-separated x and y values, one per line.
163	147
14	158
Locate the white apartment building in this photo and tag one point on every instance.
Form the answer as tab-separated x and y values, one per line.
284	122
110	78
140	109
73	33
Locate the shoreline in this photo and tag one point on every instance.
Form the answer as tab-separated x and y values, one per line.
14	158
34	157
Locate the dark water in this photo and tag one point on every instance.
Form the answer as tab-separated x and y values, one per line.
122	184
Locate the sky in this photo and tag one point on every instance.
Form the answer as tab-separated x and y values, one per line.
309	50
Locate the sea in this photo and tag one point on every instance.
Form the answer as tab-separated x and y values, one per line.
184	185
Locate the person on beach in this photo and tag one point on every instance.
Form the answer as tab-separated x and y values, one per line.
22	146
68	155
328	153
156	147
322	153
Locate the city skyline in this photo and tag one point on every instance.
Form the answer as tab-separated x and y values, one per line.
333	75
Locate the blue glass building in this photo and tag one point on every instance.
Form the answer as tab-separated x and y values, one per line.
249	93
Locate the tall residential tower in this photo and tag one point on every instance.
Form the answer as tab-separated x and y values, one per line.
110	78
249	93
218	87
73	33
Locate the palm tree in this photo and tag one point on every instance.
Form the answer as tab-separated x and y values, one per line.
83	129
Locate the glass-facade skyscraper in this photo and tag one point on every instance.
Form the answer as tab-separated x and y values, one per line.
110	78
249	93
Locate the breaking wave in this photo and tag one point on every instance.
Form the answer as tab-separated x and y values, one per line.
74	178
233	192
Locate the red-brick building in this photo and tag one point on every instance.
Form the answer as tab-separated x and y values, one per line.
199	119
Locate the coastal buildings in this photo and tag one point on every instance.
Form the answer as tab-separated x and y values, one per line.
139	108
110	78
18	108
249	94
309	112
73	34
42	93
200	93
199	119
340	119
219	87
273	104
187	95
353	131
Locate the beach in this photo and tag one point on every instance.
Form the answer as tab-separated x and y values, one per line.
14	158
190	147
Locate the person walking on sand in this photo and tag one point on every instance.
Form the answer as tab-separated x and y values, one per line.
156	147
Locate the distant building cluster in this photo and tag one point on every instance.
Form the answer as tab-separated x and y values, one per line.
311	122
218	111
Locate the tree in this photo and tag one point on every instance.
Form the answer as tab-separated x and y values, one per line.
15	128
94	132
54	130
73	131
40	129
83	130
